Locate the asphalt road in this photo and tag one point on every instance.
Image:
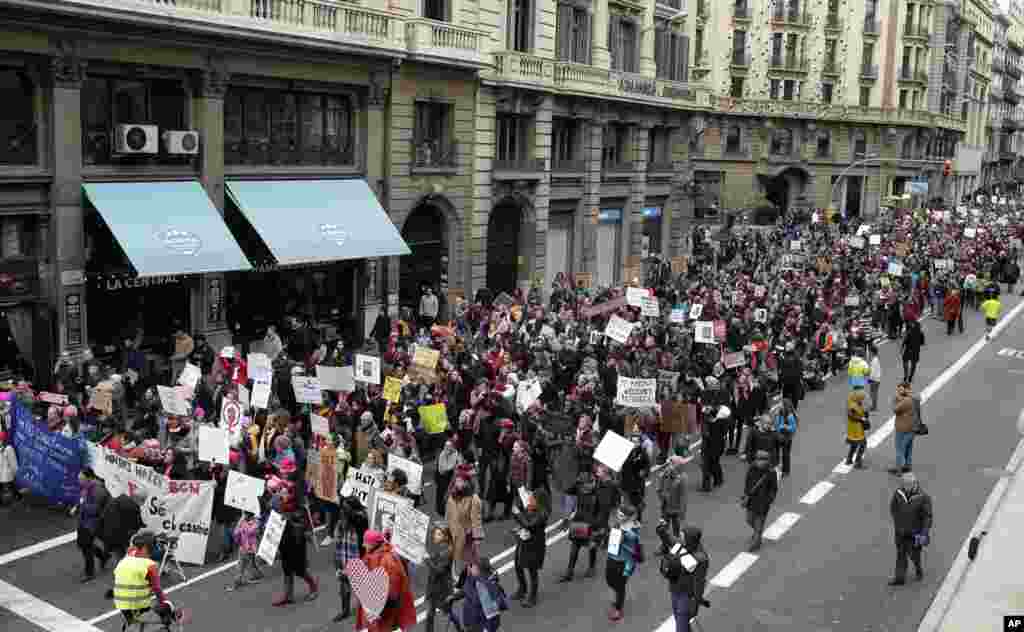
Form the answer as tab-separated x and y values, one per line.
827	572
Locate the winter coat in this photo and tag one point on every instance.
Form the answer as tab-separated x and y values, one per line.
903	406
8	464
402	611
912	343
439	575
951	307
911	512
635	470
463	516
530	553
760	489
713	436
855	414
473	616
672	492
761	440
119	521
91	504
679	579
608	497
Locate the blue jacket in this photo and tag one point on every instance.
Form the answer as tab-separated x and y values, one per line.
630	551
785	423
472	608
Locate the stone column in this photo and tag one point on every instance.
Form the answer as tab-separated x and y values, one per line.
591	192
209	314
632	217
67	72
377	99
483	160
542	197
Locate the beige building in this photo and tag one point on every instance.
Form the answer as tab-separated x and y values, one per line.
507	140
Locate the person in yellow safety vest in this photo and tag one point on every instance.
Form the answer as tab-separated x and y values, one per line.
858	370
137	582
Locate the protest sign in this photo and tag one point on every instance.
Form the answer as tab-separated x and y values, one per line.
704	332
260	395
970	233
613	450
636	295
48	462
413	472
795	245
258	367
312	472
864	229
902	249
853	300
678	315
734	360
668	379
326	484
636	392
367	369
679	265
271	538
320	425
101	398
336	378
434	418
172	401
527	393
426	357
584	280
213	444
392	389
603	308
231	419
649	306
360	483
190	375
759	291
409	537
875	240
244	397
696	310
307	390
53	398
857	242
618	329
761	315
243	492
384	508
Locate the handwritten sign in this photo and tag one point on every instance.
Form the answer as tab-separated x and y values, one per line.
172	401
367	369
336	378
618	329
426	357
258	367
260	395
677	315
360	484
190	375
649	306
696	310
243	492
704	332
875	240
679	265
584	280
613	450
213	444
307	389
413	472
410	533
761	315
392	389
271	538
326	484
636	295
636	392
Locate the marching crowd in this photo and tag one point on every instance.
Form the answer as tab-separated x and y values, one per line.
738	334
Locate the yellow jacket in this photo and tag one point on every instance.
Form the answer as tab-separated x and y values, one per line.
854	414
131	584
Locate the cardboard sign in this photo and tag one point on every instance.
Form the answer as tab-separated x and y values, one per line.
636	295
367	369
426	357
631	274
244	492
584	280
360	483
734	360
384	510
326	484
704	332
172	401
857	242
413	472
603	308
902	249
696	310
618	329
213	445
679	265
613	450
392	389
190	375
258	367
409	537
761	315
636	392
271	540
336	378
307	390
650	306
260	395
320	425
875	240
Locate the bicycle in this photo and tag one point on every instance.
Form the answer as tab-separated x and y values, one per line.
139	620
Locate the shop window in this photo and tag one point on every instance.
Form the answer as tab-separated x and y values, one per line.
433	134
782	143
18	124
520	25
615	145
108	102
273	127
623	43
565	141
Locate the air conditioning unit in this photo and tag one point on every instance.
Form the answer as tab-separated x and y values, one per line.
181	141
136	139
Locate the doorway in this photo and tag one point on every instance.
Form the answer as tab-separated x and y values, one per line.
424	232
503	236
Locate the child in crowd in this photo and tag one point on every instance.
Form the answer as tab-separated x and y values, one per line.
247	535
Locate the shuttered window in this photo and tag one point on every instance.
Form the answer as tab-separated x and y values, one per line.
624	43
573	33
671	53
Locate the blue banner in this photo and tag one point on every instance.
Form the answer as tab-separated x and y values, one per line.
48	462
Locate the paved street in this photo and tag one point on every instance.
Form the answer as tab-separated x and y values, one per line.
826	572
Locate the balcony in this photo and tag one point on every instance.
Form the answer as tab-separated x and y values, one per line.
869	72
518	168
434	156
796	17
833	22
788	63
830	67
435	41
849	114
916	31
741	12
872	26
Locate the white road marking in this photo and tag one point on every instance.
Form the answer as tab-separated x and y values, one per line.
40	547
842	468
781	525
41	613
733	570
816	493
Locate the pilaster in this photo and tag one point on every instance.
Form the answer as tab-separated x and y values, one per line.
483	161
601	55
591	192
631	239
542	197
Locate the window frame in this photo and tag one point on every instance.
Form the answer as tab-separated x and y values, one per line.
22	148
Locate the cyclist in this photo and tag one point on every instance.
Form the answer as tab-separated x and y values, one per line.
137	582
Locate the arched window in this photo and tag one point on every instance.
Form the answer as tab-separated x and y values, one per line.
782	142
18	124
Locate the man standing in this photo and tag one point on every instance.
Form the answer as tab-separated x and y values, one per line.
911	511
911	347
428	308
672	494
903	407
759	491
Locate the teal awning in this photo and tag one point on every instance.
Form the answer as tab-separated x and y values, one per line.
167	228
312	221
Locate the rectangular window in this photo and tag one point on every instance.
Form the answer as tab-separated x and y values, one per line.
512	138
736	89
792	48
903	99
520	25
868	54
739	48
773	88
826	92
564	139
433	131
860	146
436	10
830	55
659	147
733	140
615	145
108	102
824	145
865	96
622	42
788	89
776	49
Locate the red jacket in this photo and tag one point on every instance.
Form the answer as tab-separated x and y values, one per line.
951	306
404	614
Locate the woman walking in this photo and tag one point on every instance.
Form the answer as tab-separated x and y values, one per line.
625	552
532	518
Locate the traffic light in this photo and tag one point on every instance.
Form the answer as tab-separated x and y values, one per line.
947	168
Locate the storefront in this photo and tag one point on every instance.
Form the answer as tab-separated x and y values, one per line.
561	240
24	321
650	235
609	239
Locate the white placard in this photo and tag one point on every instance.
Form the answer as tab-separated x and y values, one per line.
649	306
704	332
411	530
272	533
760	316
337	378
636	295
231	419
618	329
677	316
307	390
366	369
213	444
320	425
172	401
244	396
852	300
527	393
613	450
795	245
857	242
190	375
636	392
360	483
875	240
614	541
260	395
384	510
696	310
895	269
864	229
243	492
413	472
970	233
258	368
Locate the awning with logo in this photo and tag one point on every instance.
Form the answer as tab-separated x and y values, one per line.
167	228
313	221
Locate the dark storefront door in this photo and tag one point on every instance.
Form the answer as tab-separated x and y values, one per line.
503	230
424	234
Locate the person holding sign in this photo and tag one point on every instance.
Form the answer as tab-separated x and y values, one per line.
399	610
348	545
531	515
685	567
625	552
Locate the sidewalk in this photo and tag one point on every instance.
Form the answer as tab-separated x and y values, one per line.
976	595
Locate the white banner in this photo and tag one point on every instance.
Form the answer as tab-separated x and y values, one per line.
367	369
618	329
213	444
636	392
181	508
413	472
307	390
271	538
412	528
244	492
